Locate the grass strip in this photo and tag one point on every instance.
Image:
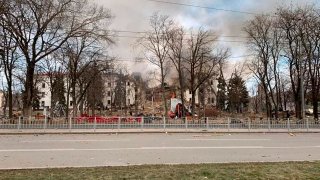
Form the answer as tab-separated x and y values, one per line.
281	170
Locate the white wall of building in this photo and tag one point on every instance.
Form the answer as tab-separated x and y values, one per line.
110	83
43	87
210	93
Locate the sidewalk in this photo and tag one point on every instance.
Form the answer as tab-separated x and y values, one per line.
113	131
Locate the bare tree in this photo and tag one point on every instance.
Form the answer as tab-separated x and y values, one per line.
310	40
95	91
9	59
201	62
156	48
41	27
264	41
82	52
290	25
293	35
176	37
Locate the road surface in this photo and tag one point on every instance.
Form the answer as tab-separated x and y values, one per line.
81	150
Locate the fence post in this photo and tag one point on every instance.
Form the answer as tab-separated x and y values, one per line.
95	124
30	121
45	122
19	123
70	123
207	122
269	124
45	118
288	124
142	122
164	122
307	125
119	121
186	122
228	124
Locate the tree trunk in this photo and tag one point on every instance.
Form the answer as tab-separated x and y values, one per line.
81	101
68	100
164	101
182	93
315	105
73	94
298	108
10	99
193	102
93	112
28	94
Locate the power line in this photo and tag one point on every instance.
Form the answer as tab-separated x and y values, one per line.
145	32
204	7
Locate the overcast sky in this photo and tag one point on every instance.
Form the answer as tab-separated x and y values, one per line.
133	15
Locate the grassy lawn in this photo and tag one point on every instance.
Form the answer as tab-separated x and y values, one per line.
287	170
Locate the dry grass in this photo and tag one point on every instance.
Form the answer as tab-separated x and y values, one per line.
285	170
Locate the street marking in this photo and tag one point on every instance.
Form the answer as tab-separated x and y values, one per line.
75	140
118	149
225	139
156	148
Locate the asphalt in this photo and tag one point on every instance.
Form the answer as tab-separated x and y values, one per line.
89	150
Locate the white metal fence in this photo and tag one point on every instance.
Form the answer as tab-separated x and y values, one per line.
157	123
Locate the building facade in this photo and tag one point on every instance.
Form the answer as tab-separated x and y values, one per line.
111	86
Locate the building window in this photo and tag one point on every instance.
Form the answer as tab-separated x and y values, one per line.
71	103
128	83
43	85
212	100
43	94
189	91
42	104
109	84
129	101
109	102
109	93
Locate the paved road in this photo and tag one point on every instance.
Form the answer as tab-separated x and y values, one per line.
39	151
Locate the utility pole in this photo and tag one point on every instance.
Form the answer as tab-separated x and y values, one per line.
302	89
152	103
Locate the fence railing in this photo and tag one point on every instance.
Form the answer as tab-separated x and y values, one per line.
157	123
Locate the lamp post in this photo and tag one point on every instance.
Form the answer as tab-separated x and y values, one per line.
302	90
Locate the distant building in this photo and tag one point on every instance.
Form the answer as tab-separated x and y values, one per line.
110	83
43	87
206	94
